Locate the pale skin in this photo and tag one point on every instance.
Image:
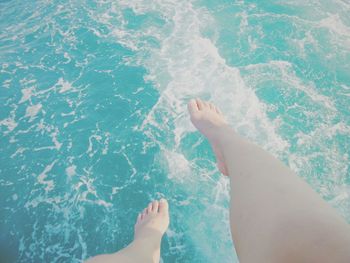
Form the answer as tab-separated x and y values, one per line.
274	215
150	226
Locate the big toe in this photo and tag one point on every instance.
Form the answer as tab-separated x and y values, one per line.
163	206
155	205
193	107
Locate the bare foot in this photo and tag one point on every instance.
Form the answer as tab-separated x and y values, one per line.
208	119
151	225
155	216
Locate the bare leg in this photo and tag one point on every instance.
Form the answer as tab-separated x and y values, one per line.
150	226
274	215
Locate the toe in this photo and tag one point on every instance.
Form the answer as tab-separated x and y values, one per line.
218	110
192	107
206	105
143	215
149	208
155	206
138	218
163	206
212	107
200	104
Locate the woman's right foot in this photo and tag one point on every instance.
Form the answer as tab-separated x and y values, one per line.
209	120
150	226
153	219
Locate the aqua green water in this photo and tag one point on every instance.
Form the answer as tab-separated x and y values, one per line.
93	117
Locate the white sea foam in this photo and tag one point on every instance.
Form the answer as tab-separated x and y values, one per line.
43	175
10	123
185	69
287	74
19	151
32	111
178	165
63	85
54	139
26	94
6	83
83	195
91	151
71	170
335	24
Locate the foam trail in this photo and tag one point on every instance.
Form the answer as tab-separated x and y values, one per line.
185	69
186	65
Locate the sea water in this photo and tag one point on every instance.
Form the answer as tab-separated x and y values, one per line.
94	125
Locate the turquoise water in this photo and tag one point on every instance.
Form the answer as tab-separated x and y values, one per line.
93	117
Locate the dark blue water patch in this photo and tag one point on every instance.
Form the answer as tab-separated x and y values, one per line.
8	245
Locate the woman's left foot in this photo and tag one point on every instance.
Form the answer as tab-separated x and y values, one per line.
209	120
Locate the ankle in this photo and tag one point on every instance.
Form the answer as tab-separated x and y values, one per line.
147	248
140	251
223	135
151	242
